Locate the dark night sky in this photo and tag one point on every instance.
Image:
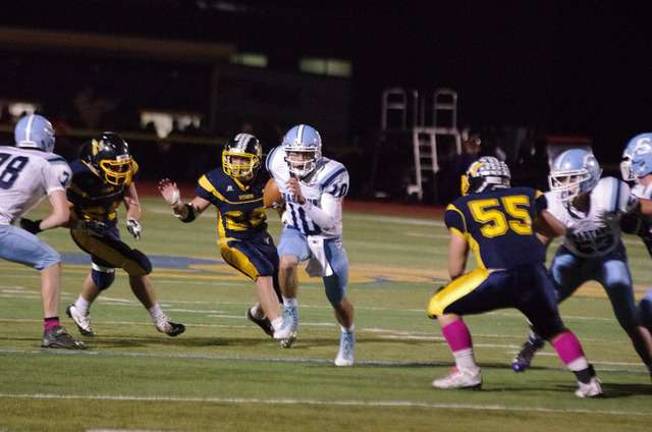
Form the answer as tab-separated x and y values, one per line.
562	66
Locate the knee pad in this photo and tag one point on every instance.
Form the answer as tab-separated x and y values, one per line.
102	277
335	292
140	265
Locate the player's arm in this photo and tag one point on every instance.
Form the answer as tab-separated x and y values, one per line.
546	225
56	180
132	203
329	212
186	212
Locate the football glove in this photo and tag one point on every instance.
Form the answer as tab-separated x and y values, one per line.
135	228
31	225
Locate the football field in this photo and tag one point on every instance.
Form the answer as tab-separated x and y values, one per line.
225	374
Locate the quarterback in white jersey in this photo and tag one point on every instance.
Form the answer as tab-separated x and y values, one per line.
313	188
28	173
590	208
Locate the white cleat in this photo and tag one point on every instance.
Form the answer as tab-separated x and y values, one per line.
288	336
589	390
460	379
346	354
83	322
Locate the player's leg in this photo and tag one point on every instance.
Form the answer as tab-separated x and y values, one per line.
645	310
292	249
101	277
20	246
540	308
568	274
108	252
257	259
617	281
336	285
474	292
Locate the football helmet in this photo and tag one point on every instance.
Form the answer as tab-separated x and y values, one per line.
641	163
248	151
302	145
108	157
644	140
483	173
34	131
574	172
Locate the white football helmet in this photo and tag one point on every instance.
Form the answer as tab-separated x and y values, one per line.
574	172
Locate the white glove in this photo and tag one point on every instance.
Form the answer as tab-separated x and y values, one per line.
169	192
135	228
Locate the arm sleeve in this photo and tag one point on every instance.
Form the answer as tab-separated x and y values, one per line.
540	202
328	215
205	189
57	176
454	219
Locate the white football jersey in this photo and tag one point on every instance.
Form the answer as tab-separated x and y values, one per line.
26	177
330	177
640	191
591	234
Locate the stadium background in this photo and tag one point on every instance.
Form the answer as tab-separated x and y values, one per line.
524	71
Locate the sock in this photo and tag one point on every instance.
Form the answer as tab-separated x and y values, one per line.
347	330
50	322
458	337
157	314
570	352
277	323
257	311
290	301
82	305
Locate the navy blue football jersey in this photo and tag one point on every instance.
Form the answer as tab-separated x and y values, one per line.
240	211
497	224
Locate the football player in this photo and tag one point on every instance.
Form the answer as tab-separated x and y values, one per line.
102	180
313	188
636	167
236	190
499	224
590	208
28	173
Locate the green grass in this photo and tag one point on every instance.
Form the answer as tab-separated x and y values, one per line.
223	374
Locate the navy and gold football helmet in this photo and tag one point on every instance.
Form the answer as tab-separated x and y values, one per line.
242	156
108	157
486	171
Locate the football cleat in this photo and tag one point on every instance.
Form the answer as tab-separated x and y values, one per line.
589	390
346	353
460	379
58	337
523	359
264	323
83	322
170	328
285	335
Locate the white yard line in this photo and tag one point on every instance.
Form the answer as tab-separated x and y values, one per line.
334	403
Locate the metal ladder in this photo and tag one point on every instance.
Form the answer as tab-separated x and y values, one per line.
424	138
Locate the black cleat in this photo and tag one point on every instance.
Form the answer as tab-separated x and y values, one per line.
523	359
171	329
58	337
263	323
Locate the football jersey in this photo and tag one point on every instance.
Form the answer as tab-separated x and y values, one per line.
240	210
497	224
589	235
92	198
329	177
26	177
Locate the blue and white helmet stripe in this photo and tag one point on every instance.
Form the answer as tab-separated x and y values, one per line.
34	131
641	140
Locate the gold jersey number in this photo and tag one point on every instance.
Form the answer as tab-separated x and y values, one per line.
492	214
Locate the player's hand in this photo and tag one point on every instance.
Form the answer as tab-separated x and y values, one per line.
32	226
170	192
294	188
135	228
610	219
